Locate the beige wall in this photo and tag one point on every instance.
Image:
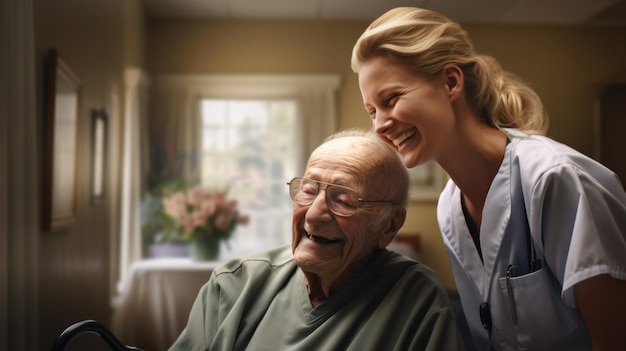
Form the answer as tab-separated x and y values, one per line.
97	40
568	66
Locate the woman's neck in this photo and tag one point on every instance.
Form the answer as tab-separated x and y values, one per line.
474	164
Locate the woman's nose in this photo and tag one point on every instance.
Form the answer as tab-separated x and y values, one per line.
382	122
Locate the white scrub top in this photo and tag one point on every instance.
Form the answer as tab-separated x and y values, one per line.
575	210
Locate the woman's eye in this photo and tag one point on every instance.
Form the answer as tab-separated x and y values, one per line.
372	113
390	99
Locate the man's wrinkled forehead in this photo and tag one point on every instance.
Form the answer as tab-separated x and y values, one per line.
348	146
347	155
350	149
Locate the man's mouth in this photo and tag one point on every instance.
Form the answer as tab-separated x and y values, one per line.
322	240
399	141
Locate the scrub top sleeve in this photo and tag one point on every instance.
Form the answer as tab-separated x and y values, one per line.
582	226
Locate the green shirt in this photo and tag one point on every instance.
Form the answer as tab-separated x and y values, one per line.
261	303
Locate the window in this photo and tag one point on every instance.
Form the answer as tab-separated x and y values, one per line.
166	116
250	147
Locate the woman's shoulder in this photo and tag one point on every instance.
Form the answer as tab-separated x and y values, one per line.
542	150
540	157
543	153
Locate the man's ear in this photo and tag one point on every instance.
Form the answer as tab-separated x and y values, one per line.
395	223
454	80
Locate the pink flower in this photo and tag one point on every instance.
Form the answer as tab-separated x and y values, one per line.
202	211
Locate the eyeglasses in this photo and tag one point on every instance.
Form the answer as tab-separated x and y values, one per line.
341	200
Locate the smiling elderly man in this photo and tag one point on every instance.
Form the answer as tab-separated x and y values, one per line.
336	287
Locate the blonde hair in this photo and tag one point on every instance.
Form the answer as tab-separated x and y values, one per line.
425	42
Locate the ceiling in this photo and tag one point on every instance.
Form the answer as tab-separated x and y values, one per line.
558	12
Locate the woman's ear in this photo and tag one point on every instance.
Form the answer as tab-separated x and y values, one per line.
454	79
395	223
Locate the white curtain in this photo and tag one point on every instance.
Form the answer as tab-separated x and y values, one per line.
19	178
133	168
317	108
175	136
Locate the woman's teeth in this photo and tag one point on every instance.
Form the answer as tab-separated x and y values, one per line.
404	137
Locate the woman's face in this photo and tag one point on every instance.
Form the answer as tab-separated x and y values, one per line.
411	112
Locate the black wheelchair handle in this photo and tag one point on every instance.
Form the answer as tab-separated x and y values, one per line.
89	326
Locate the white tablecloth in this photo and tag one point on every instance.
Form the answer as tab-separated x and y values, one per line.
154	303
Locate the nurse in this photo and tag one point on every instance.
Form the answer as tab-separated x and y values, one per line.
535	231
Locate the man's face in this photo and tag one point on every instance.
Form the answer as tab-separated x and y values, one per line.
327	244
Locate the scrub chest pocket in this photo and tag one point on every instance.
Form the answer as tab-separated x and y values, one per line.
539	316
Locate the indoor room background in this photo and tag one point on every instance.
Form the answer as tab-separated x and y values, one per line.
117	52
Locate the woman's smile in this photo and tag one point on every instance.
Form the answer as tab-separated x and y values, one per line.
402	139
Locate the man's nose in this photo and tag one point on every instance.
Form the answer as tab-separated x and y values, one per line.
319	209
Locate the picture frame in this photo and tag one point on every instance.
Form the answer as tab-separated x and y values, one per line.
61	111
426	182
99	126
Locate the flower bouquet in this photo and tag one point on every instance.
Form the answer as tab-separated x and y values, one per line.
203	217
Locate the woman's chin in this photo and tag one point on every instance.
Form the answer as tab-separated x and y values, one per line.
410	161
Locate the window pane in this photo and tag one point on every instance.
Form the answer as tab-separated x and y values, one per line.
250	146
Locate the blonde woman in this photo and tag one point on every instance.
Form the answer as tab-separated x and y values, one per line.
535	231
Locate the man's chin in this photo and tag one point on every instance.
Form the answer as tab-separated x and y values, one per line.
315	265
311	253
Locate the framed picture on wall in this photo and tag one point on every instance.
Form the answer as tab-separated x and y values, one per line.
61	106
426	182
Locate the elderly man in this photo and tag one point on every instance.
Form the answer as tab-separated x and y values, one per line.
337	287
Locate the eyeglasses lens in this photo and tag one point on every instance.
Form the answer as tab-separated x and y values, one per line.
340	200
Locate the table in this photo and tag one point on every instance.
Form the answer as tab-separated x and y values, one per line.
155	301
